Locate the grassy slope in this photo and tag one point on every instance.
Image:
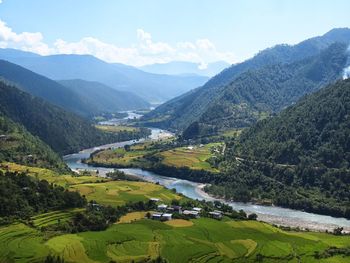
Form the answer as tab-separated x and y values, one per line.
206	240
103	191
195	158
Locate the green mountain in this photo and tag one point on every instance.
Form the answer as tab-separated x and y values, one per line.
19	146
236	97
299	158
64	131
155	88
80	97
104	98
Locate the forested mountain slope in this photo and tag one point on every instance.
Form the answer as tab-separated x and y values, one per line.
184	110
104	98
19	146
44	88
65	132
299	158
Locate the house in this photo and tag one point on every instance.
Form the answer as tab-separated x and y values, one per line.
156	216
162	217
166	216
154	200
215	214
191	213
190	147
197	209
177	209
162	207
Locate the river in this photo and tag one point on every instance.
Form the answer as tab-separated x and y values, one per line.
270	214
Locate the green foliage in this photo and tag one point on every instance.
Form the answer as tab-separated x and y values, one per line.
299	159
247	92
65	132
18	145
21	196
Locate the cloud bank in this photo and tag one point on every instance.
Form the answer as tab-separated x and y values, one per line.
144	51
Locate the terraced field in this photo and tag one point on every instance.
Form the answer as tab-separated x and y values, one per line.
194	157
207	240
54	217
116	193
102	190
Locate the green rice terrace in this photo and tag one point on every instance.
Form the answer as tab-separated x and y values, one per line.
207	240
196	157
135	238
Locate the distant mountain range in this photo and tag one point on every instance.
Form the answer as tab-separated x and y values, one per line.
104	98
83	98
186	68
264	84
154	88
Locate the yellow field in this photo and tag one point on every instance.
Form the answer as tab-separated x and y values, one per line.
194	158
104	191
116	193
179	223
110	128
130	217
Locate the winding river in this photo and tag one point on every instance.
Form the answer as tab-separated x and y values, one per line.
270	214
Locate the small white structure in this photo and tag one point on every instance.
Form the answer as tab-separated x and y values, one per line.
155	200
197	209
162	207
166	216
190	147
156	216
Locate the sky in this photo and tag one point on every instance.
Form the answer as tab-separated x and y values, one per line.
139	32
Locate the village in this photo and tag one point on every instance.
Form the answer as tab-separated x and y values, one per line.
167	212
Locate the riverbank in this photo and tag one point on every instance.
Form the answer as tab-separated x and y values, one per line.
269	214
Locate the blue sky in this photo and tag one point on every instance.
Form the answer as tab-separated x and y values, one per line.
141	32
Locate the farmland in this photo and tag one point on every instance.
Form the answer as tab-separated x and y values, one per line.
116	193
193	157
102	190
114	128
207	240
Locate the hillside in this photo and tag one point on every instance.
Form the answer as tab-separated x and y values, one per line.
44	88
184	110
104	98
155	88
300	158
65	132
18	145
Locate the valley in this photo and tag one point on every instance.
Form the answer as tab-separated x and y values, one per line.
174	132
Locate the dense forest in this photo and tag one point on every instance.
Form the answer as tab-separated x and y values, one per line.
65	132
299	158
22	196
218	101
19	146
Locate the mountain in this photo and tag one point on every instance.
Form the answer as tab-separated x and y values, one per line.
45	88
19	146
80	97
104	98
185	68
299	158
154	88
180	112
63	131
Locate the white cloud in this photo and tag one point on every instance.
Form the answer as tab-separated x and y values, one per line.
25	41
144	51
